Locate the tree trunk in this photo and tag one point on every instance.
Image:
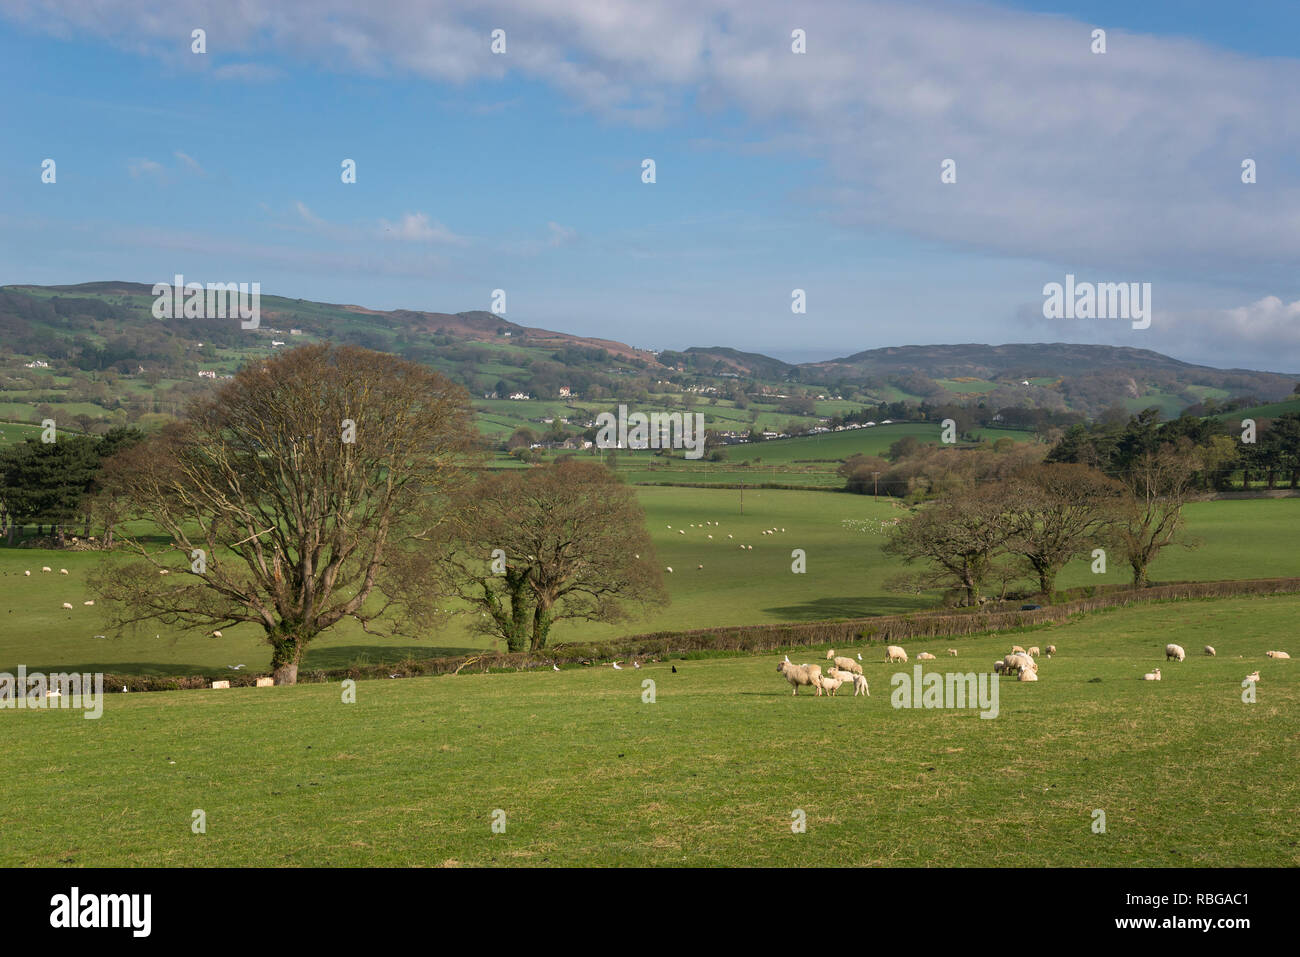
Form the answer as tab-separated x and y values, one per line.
285	657
286	674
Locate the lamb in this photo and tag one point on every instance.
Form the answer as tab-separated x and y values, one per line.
953	652
1209	650
800	675
849	665
216	634
1017	650
163	571
28	573
1000	667
1253	677
1028	676
925	656
1152	675
1051	650
46	568
829	685
1174	651
860	686
1277	654
895	653
63	571
68	605
1018	663
1033	652
830	654
670	569
88	603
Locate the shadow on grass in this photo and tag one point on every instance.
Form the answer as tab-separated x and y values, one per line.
324	659
855	606
341	656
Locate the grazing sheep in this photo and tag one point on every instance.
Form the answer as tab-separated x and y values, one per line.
953	652
828	684
1152	675
63	571
699	566
28	574
88	603
830	654
1000	667
216	634
1277	654
1033	652
68	605
800	675
860	686
1028	676
1019	663
46	568
670	569
925	656
1209	650
895	653
1174	651
163	571
1051	650
849	665
1017	650
1253	677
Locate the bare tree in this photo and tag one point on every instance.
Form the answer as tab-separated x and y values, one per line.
1159	484
1057	512
294	495
541	545
958	537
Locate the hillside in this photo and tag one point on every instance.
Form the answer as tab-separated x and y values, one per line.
94	352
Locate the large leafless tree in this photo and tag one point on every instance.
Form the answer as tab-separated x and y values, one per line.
295	496
545	544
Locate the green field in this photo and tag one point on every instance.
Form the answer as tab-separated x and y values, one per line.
710	773
845	577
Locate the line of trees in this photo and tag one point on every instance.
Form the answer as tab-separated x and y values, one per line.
1030	525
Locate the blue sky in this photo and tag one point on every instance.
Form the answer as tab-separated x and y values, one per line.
774	171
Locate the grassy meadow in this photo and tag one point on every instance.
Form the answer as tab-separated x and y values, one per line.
840	533
708	774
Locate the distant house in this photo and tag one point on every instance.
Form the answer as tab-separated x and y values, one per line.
520	396
36	364
207	374
565	392
295	332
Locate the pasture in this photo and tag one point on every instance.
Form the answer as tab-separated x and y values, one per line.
845	578
708	774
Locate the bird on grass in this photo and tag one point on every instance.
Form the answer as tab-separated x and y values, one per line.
636	664
616	667
234	667
555	667
859	656
674	669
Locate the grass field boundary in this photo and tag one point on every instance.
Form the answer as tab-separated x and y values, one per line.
756	639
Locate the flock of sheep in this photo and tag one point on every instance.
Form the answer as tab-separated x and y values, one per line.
682	531
1176	653
62	571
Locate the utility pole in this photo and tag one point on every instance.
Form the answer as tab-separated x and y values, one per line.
875	486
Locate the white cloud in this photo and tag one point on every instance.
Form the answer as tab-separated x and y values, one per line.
145	167
191	162
417	228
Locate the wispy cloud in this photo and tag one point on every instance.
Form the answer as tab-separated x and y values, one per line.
417	228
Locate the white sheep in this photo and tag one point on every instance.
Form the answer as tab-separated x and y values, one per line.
1028	676
68	605
670	569
1019	663
925	656
28	573
1253	677
1051	650
860	686
1209	650
830	654
63	571
163	571
1174	651
1152	675
953	652
1017	650
216	634
895	653
88	603
1033	652
848	664
46	568
828	684
800	675
1277	654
